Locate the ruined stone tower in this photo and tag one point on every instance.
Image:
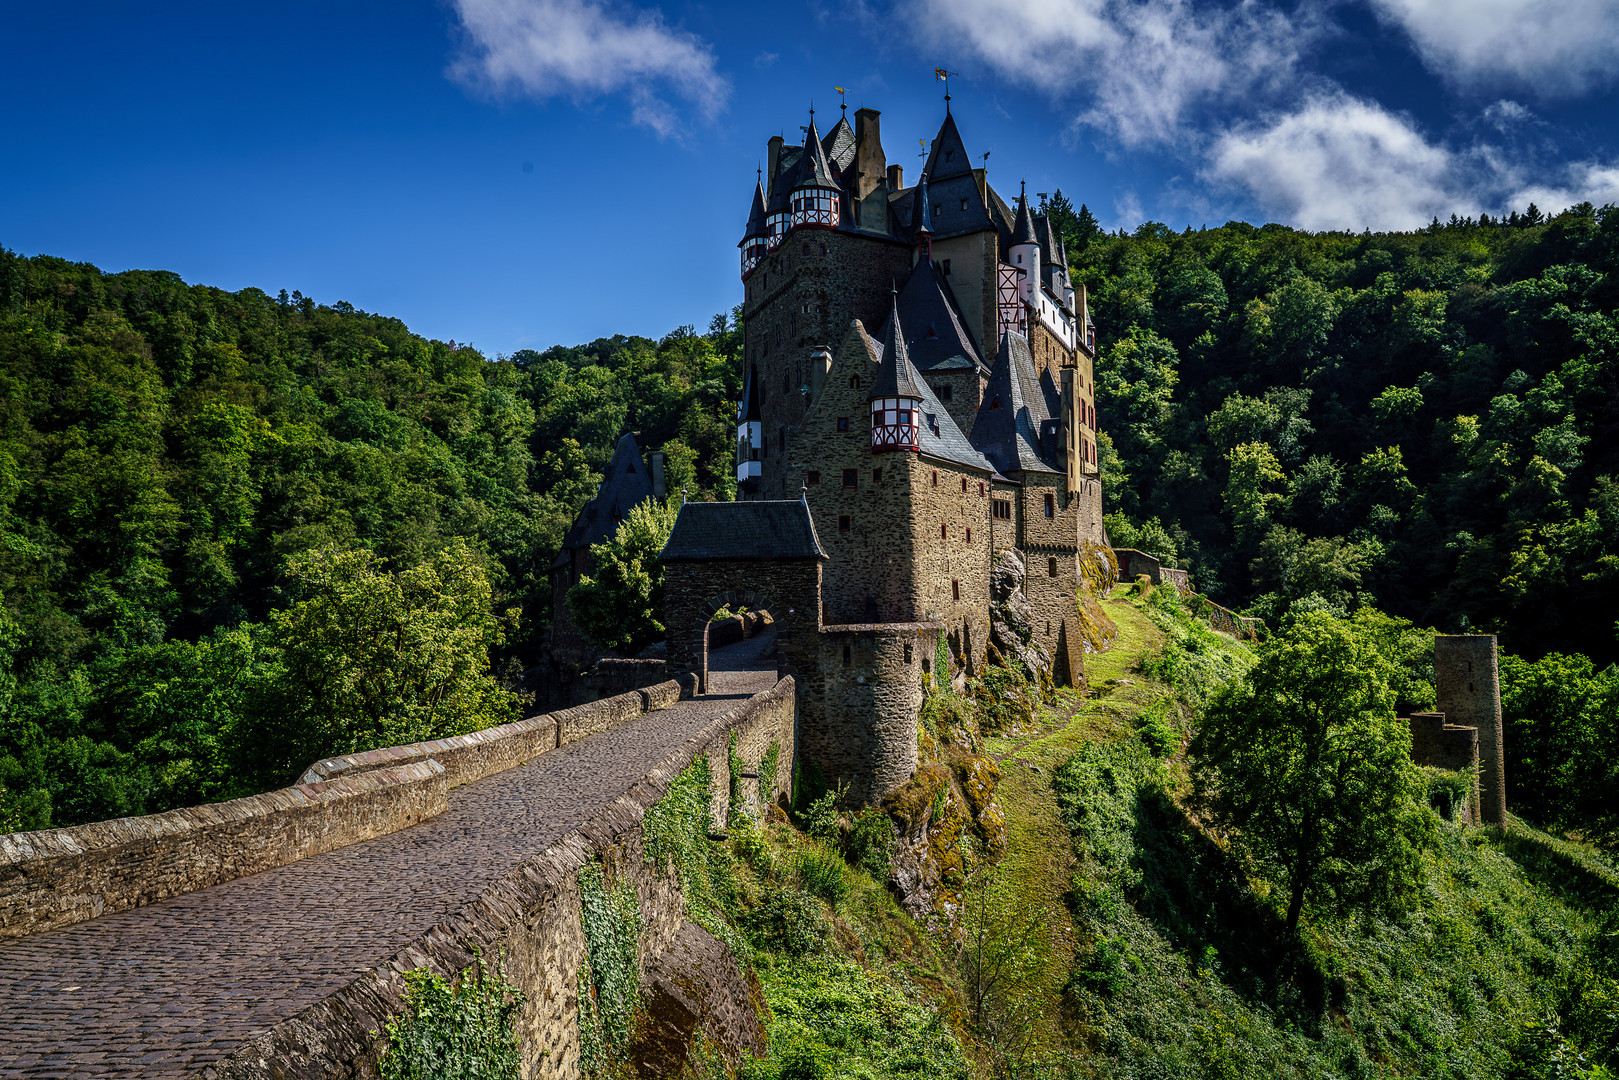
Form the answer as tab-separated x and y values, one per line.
1467	682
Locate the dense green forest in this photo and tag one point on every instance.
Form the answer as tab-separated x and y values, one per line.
197	488
1427	422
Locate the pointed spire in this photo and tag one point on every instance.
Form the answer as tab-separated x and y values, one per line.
756	215
814	169
948	157
1023	231
896	377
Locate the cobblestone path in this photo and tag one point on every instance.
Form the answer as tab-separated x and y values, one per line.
168	989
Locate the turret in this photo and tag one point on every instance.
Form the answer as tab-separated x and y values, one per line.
749	434
896	399
816	197
1024	253
754	239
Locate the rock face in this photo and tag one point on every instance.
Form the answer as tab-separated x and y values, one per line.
696	994
1011	619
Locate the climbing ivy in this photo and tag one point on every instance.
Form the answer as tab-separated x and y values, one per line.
767	773
459	1032
734	797
676	832
610	979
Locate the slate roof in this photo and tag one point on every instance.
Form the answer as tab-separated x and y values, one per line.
743	530
756	215
626	484
896	375
813	167
921	209
940	438
936	336
840	145
1014	410
1023	231
948	157
748	409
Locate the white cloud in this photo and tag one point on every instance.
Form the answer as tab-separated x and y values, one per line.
1550	46
1146	64
1340	162
585	49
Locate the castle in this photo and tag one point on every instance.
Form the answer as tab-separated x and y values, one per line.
917	434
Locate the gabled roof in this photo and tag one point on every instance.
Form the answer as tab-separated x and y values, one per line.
1013	412
743	530
896	375
756	215
626	484
936	336
748	409
948	157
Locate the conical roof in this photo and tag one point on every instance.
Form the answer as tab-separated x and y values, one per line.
921	209
756	216
948	157
814	170
840	145
896	376
1023	230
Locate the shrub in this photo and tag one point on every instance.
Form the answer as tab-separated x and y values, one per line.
788	921
464	1032
870	843
821	871
819	820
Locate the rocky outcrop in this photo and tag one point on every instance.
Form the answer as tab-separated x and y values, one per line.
1011	619
697	998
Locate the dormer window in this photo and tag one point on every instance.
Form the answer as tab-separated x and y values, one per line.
948	154
964	204
994	402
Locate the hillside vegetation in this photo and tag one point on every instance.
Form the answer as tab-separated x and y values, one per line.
1427	422
180	467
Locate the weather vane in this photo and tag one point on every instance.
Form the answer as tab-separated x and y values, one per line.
941	75
842	104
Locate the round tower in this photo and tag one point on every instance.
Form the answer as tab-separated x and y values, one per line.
1468	687
1024	253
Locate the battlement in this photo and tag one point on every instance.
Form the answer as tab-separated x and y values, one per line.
1451	747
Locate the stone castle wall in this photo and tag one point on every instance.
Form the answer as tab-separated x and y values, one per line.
1451	747
858	724
531	919
57	877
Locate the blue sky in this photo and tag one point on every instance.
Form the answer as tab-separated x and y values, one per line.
522	173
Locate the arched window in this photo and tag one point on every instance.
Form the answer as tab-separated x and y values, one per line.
854	382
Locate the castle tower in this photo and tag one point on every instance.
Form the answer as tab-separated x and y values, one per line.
1467	681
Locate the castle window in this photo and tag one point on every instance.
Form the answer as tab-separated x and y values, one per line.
980	489
963	483
854	382
1051	506
994	402
843	523
944	392
969	534
955	590
907	652
1003	509
944	531
964	204
935	477
947	268
806	249
847	657
1020	257
876	476
823	249
814	477
1051	571
948	154
843	423
851	478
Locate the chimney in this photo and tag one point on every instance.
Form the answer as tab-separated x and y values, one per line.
896	177
770	170
870	161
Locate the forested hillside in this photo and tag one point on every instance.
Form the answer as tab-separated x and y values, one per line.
178	464
1427	422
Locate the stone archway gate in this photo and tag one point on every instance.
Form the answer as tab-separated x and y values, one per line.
764	555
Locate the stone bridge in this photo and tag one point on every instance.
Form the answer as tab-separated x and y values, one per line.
287	971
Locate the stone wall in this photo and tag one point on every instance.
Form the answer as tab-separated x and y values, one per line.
57	877
1446	746
531	920
613	675
858	723
790	589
